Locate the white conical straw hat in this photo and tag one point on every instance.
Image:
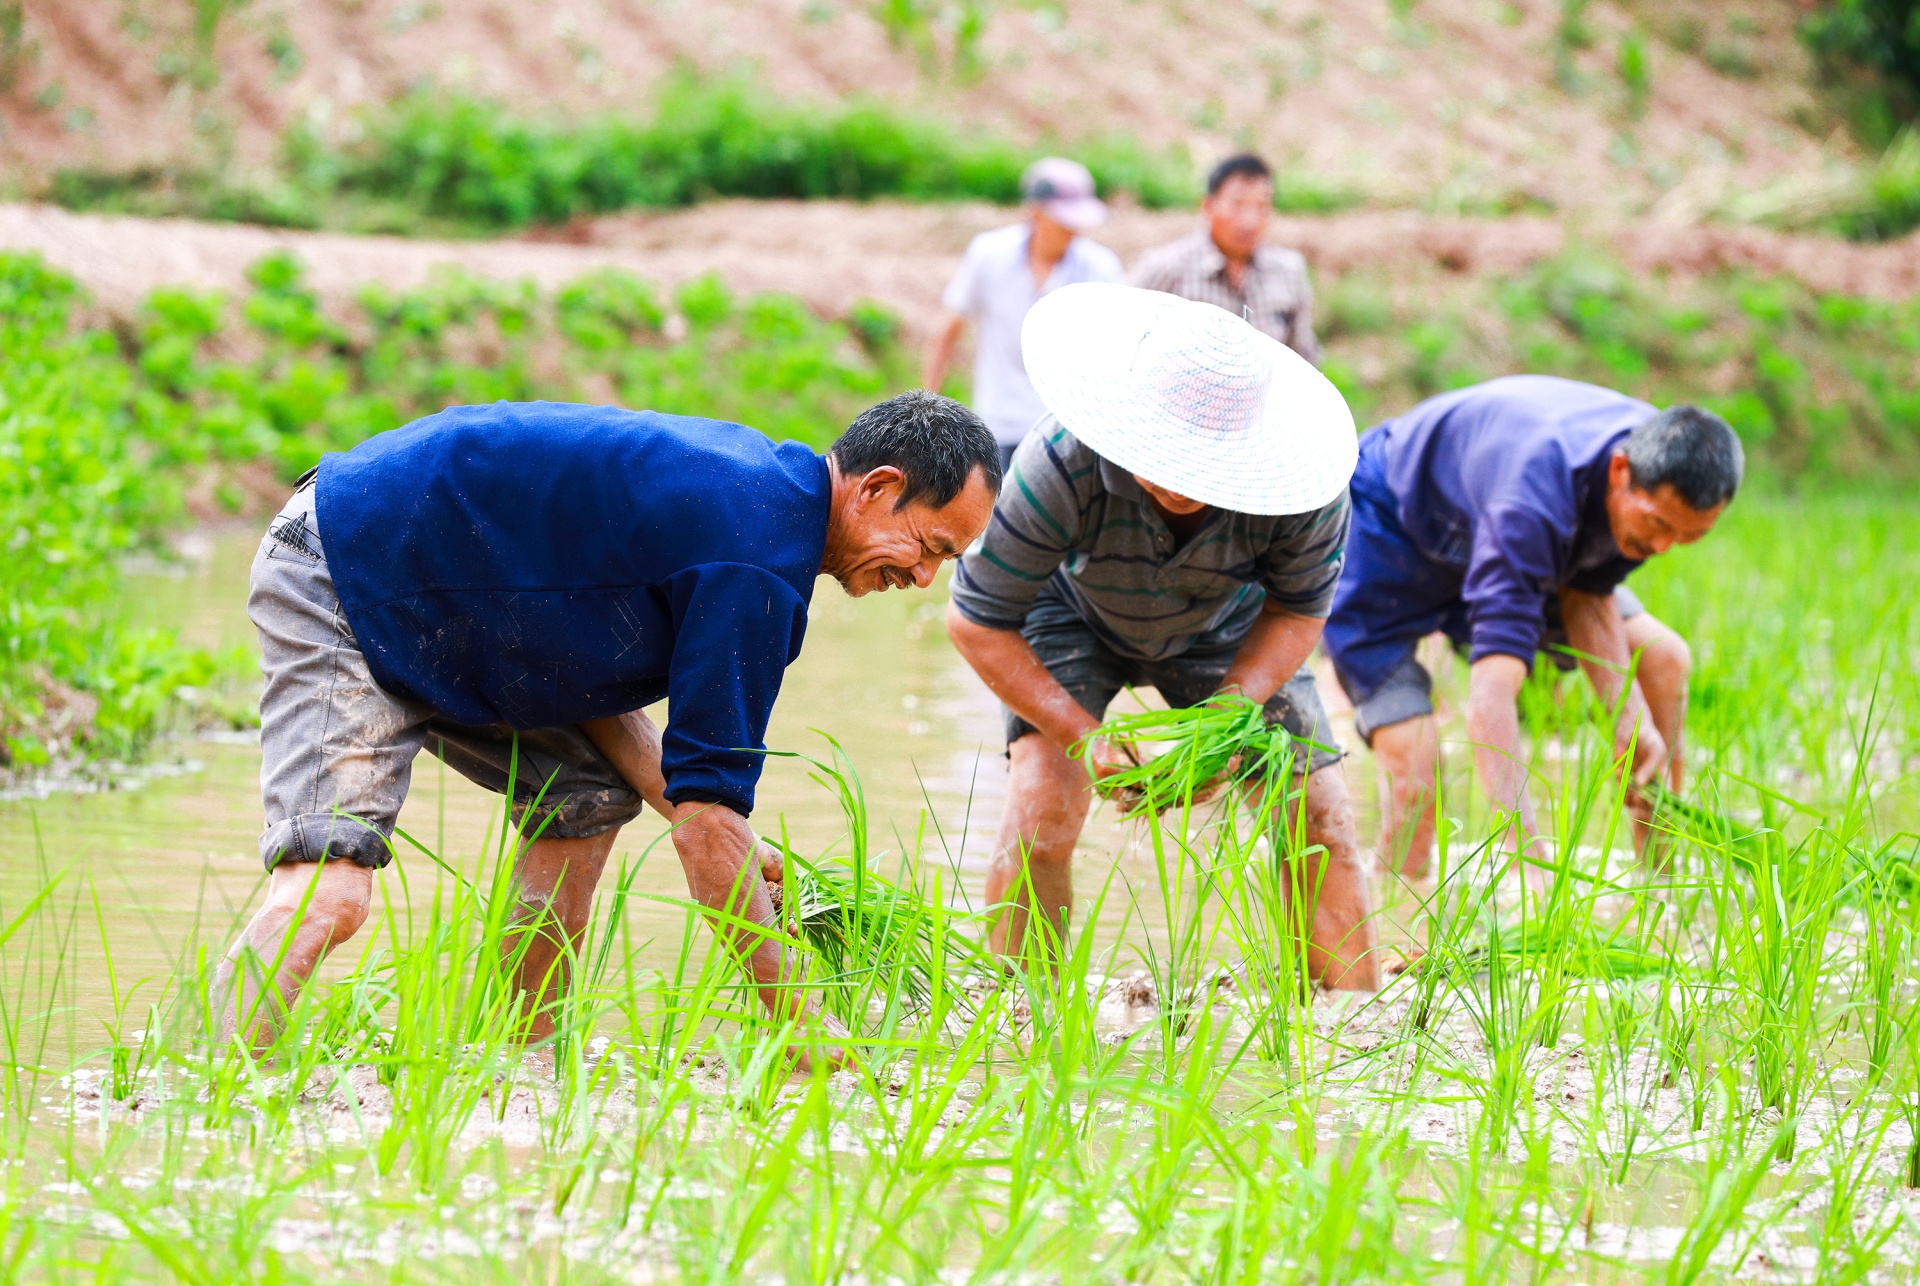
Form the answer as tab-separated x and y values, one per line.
1190	397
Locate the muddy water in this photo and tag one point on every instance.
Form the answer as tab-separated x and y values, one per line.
175	861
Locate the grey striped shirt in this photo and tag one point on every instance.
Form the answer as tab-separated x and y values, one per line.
1274	294
1073	525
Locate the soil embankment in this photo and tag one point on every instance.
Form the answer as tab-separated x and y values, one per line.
1451	104
833	253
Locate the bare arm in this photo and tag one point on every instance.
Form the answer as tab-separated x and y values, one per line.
714	842
946	337
631	743
1008	665
1493	726
1273	652
1595	630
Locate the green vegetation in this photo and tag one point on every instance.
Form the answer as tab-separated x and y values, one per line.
1869	55
80	487
1880	37
442	161
101	432
1819	386
1703	1073
1226	741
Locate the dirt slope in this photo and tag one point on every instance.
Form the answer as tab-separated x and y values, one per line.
1467	105
832	253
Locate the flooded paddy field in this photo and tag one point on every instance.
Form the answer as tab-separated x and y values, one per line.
1701	1071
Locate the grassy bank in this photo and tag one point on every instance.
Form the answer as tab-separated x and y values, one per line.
107	433
1823	388
447	163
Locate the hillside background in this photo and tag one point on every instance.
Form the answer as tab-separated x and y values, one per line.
1667	110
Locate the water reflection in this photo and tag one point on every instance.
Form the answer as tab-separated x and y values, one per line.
877	674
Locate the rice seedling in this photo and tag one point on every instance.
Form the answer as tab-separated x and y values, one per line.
1223	742
1703	1071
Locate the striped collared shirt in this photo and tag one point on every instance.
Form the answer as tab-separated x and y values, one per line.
1274	293
1079	527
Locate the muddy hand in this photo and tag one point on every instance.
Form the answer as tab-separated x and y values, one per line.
1105	758
771	869
823	1042
1649	762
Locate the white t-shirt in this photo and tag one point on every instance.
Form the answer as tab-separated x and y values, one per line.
994	288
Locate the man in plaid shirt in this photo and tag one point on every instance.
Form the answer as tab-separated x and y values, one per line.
1227	264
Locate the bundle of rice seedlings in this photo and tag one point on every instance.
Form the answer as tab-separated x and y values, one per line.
1224	741
873	937
1675	813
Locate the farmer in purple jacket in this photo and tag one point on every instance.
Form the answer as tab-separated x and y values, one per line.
1507	515
507	586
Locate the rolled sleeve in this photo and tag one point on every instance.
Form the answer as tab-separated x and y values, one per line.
1036	522
1301	570
737	628
1516	558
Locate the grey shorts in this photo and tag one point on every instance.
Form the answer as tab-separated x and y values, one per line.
1093	673
337	750
1407	693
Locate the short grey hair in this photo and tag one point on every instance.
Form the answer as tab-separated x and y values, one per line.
934	441
1691	450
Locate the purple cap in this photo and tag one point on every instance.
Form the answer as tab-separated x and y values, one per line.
1064	191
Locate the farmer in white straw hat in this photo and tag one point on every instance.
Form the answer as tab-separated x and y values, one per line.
1177	522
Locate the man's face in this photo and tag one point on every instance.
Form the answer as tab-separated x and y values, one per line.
1646	523
1238	214
889	548
1170	501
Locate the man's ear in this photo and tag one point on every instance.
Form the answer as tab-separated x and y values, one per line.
1619	469
882	485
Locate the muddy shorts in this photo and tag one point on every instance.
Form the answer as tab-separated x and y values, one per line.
1407	692
337	750
1094	673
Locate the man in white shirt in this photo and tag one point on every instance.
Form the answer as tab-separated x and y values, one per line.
1005	271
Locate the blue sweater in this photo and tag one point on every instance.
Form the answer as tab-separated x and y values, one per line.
538	564
1473	507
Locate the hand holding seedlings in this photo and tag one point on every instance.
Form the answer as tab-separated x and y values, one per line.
1107	758
1221	742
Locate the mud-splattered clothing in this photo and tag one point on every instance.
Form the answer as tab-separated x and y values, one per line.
1081	528
540	564
337	749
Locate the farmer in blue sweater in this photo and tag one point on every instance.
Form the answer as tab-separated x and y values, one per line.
1506	515
507	586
